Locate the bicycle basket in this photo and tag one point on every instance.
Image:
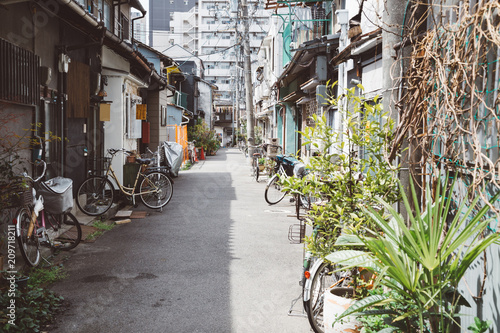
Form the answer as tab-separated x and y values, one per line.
16	194
57	195
297	232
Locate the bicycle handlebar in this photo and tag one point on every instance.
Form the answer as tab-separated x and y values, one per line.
113	151
25	174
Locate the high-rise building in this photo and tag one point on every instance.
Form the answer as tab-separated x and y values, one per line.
213	31
161	13
140	27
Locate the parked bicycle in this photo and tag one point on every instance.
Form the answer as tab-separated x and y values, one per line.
255	162
286	166
317	277
192	152
96	193
46	219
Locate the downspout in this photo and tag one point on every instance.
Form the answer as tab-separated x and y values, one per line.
343	20
108	34
137	18
182	122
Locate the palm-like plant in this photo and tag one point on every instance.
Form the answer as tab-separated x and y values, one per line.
424	260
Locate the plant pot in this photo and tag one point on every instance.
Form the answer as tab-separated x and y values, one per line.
336	301
130	159
262	167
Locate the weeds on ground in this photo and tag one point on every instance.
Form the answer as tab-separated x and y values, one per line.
102	226
32	308
187	166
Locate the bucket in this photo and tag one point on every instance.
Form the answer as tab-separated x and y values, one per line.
336	301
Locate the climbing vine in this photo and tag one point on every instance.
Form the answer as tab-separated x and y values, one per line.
449	107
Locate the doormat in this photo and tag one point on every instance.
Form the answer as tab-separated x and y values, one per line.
138	214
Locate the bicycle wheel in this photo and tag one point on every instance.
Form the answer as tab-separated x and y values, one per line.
322	278
70	238
273	193
95	196
29	246
255	169
156	190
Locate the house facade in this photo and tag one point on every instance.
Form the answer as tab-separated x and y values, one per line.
73	68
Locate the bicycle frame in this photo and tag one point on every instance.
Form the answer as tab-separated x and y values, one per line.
128	191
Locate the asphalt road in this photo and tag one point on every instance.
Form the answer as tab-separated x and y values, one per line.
217	259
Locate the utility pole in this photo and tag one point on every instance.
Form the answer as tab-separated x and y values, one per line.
393	17
247	68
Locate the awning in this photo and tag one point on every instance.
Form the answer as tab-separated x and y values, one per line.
294	96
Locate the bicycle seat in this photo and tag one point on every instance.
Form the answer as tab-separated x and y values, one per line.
256	154
143	160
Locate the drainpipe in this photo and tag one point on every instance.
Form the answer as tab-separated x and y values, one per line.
184	122
137	18
343	19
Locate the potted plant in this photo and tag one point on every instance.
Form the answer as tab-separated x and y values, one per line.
131	158
262	164
421	264
339	174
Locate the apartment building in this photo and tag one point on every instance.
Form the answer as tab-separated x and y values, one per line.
212	31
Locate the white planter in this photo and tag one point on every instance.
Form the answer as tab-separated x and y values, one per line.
334	305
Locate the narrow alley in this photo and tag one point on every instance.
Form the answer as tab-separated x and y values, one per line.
217	259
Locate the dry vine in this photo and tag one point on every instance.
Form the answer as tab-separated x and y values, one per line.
449	107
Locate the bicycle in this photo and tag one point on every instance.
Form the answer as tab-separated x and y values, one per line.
96	194
286	166
317	277
192	152
40	224
255	162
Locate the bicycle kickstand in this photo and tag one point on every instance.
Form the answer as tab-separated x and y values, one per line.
296	313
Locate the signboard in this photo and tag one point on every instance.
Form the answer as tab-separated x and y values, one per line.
141	111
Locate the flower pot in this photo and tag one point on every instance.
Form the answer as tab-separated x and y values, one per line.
336	301
262	167
130	159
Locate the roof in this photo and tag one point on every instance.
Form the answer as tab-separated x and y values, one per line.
347	52
306	53
137	5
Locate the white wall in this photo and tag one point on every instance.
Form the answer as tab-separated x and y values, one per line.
114	129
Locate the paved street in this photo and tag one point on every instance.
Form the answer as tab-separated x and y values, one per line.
217	259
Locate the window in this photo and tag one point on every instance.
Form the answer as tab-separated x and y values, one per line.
107	15
124	27
134	126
